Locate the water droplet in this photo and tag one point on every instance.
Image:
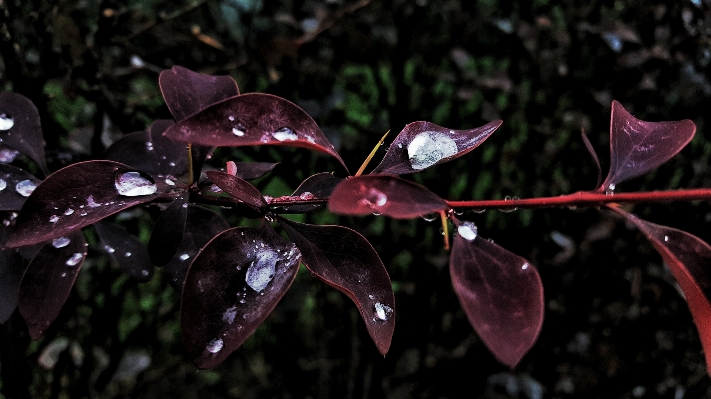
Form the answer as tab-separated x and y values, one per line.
428	148
237	132
171	163
25	187
169	182
430	217
64	274
60	242
382	312
69	211
611	187
3	184
285	134
262	270
185	205
306	195
53	219
468	231
132	184
666	238
127	254
525	266
231	118
74	259
109	249
376	197
6	122
8	155
613	40
184	257
215	345
149	146
91	203
229	315
271	218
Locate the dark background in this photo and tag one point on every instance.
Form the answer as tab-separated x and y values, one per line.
615	326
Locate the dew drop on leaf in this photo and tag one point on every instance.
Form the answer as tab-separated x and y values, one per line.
184	257
215	345
127	254
3	184
25	187
376	197
468	231
6	122
74	259
430	217
285	134
8	155
611	187
261	271
53	219
132	184
60	242
237	131
229	315
69	211
428	148
382	311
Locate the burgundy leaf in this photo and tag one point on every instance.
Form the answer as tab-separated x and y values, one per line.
254	170
187	92
386	195
636	146
320	185
79	195
126	250
48	281
501	294
688	258
344	259
11	269
238	188
253	119
20	127
16	185
168	232
202	225
231	287
423	144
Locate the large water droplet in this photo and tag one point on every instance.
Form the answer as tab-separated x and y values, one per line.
382	311
74	259
229	315
285	134
6	122
428	148
132	184
468	231
25	187
8	155
60	242
262	270
3	184
215	345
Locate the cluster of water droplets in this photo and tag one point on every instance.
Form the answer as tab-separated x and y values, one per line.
6	122
509	198
133	184
428	148
238	129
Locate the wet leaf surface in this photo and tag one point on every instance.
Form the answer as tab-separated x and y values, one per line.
20	127
168	232
49	279
231	287
345	260
79	195
126	250
187	92
238	188
636	146
423	144
16	185
253	119
501	294
385	195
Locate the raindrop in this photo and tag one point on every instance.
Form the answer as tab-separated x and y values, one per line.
53	219
468	231
145	273
3	184
25	187
74	259
262	270
169	182
229	315
306	196
60	242
184	257
149	146
231	118
132	184
171	163
525	266
6	121
109	249
91	203
611	187
430	217
69	211
127	254
237	131
285	134
8	155
666	238
185	205
214	345
382	312
428	148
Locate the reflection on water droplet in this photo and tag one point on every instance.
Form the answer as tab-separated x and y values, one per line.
524	266
382	311
3	184
132	184
430	217
376	197
428	148
184	257
6	122
74	259
229	315
285	134
60	242
25	188
262	270
468	231
666	238
8	155
214	345
53	219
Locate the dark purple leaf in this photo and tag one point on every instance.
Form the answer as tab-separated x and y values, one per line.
79	195
126	250
636	146
423	144
688	258
254	170
500	292
11	270
16	185
231	287
187	92
320	185
253	119
168	232
48	281
344	259
238	188
202	225
20	127
386	195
